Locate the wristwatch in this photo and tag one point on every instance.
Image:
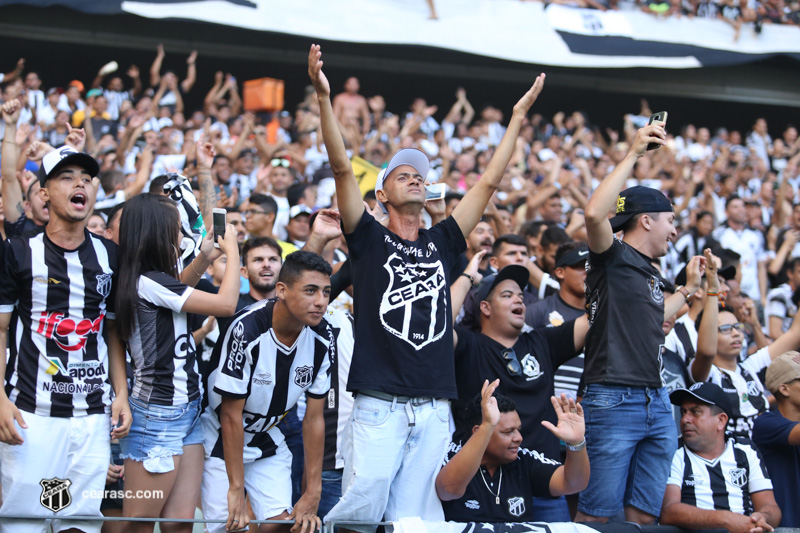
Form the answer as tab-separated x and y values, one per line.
578	447
686	294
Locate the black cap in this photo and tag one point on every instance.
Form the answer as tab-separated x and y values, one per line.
575	256
518	273
637	200
706	392
58	158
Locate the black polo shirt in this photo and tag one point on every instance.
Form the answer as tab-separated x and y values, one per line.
517	482
539	353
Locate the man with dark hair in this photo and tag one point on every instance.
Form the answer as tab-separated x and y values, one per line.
715	481
235	219
481	239
631	432
525	363
273	352
781	308
507	250
260	212
261	266
471	483
777	435
735	235
64	356
404	351
569	303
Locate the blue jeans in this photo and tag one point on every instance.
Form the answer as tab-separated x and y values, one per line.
331	491
292	429
631	438
550	509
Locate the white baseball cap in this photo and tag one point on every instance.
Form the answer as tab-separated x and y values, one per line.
412	157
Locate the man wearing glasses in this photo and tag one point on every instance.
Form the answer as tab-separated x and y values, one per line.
525	363
719	343
261	212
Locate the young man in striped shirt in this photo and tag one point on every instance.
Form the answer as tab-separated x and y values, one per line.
716	481
64	357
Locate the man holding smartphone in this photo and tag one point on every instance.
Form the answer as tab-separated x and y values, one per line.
630	432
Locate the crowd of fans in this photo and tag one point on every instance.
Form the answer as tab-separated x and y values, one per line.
516	290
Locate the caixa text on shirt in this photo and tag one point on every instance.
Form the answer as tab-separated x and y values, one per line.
63	330
411	250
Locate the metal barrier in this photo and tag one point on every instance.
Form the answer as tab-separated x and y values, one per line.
326	528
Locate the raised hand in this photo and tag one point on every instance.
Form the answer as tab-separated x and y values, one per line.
527	100
712	279
694	272
205	154
571	428
133	72
318	78
76	138
654	133
192	58
38	149
472	267
327	224
489	410
11	111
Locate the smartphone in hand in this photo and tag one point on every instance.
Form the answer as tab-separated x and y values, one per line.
435	191
657	118
220	220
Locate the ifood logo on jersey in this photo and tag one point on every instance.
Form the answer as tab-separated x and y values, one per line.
69	334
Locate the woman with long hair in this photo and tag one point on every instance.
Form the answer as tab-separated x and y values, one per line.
164	451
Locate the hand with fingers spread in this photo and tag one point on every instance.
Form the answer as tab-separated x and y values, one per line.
571	428
318	78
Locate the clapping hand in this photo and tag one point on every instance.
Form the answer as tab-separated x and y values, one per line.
571	428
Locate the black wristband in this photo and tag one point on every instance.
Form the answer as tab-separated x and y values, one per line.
470	278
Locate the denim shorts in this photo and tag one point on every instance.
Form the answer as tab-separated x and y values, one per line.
630	439
160	431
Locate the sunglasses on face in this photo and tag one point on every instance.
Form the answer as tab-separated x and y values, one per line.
727	328
512	365
280	162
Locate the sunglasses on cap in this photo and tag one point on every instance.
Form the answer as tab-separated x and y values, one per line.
727	328
512	365
280	162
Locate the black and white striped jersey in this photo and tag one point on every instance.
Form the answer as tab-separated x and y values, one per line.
161	347
339	401
747	394
57	339
271	377
724	484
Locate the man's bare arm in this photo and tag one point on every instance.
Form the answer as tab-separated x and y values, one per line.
11	188
469	210
348	194
603	201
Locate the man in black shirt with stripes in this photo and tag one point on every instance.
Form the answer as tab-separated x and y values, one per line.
716	481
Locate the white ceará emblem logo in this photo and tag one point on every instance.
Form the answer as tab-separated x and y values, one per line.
414	305
516	506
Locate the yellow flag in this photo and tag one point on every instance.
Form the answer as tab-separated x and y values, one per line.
366	174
